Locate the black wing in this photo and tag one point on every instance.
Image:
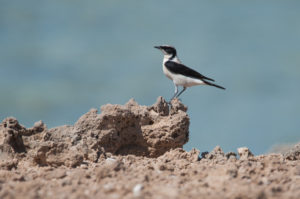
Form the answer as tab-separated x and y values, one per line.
184	70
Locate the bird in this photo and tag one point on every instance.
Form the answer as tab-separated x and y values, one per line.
180	74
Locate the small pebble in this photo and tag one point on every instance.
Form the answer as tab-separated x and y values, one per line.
137	189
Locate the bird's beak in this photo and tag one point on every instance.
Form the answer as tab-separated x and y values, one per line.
158	47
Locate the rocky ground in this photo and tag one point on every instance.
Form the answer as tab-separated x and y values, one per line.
133	151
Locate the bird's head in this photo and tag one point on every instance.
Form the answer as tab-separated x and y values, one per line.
167	50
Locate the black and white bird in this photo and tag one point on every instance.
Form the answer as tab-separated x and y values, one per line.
180	74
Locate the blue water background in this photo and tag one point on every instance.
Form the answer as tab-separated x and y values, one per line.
60	58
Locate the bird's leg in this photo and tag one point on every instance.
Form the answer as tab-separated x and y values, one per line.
176	91
184	88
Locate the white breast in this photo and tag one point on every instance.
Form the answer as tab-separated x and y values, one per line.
167	72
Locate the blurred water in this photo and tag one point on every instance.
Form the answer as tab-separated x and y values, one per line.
60	58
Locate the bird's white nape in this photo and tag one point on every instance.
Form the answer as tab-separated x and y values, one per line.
171	58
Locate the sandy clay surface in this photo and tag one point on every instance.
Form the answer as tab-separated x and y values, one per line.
133	151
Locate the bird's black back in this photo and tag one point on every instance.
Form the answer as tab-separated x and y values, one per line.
177	68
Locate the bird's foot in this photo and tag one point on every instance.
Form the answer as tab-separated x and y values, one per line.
170	102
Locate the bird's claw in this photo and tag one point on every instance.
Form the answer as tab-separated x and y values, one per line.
170	102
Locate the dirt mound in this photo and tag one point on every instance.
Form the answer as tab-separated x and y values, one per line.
119	129
293	153
133	151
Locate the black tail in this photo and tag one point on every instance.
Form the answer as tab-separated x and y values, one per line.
215	85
